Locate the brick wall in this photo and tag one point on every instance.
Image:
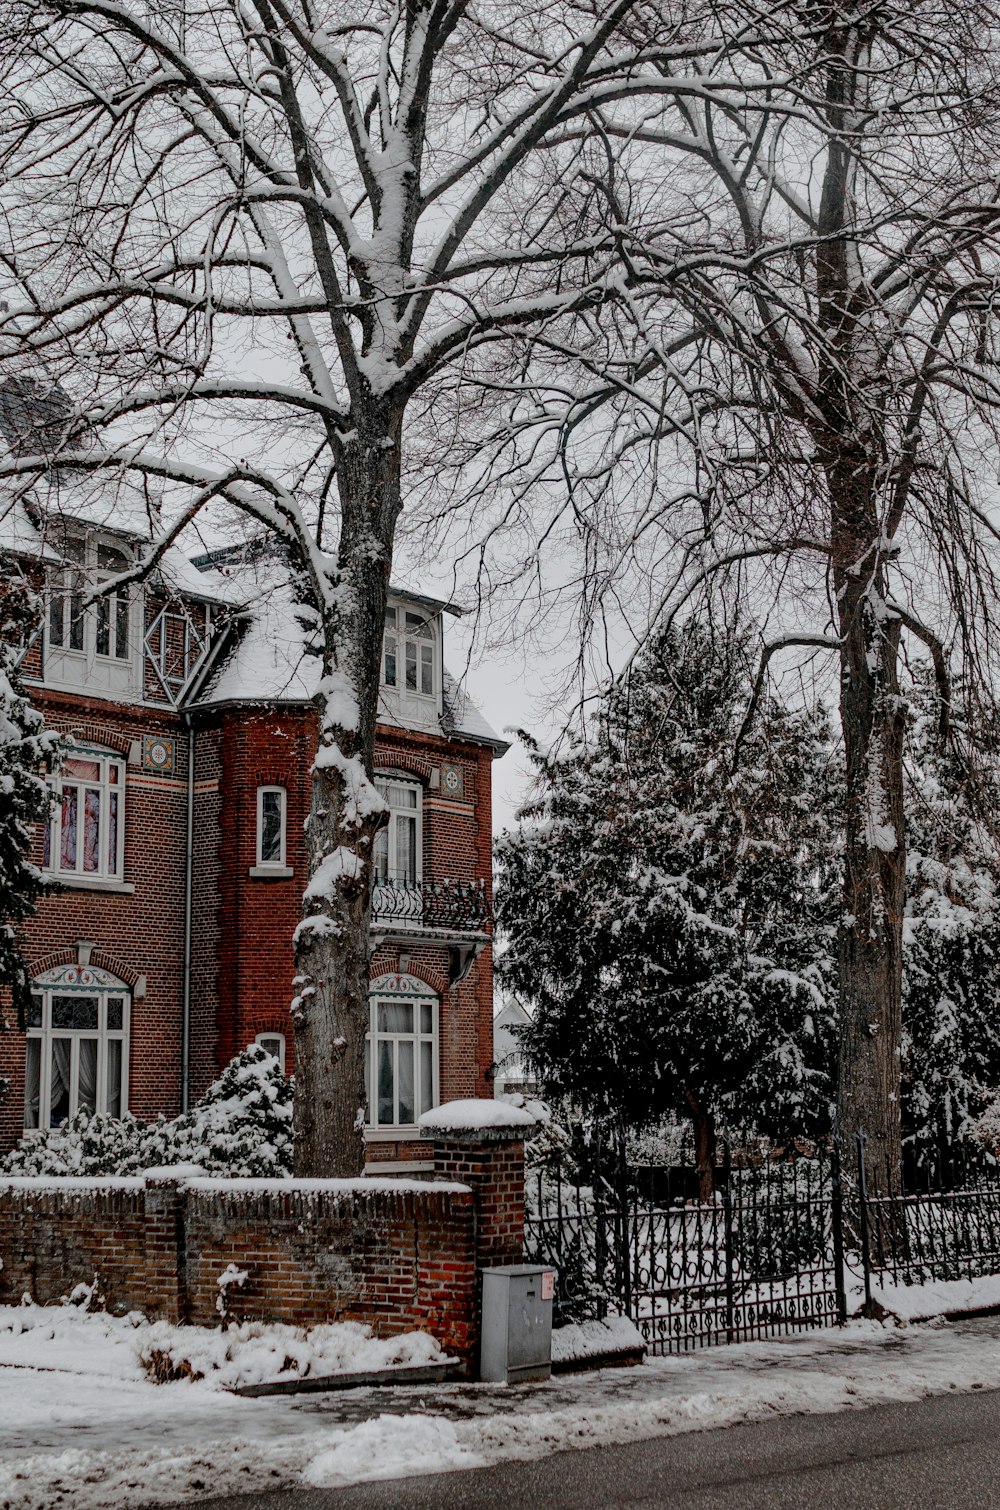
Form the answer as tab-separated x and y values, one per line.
395	1255
139	932
242	925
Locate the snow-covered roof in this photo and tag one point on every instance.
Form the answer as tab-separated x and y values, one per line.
265	660
512	1010
197	582
264	657
18	533
115	503
463	719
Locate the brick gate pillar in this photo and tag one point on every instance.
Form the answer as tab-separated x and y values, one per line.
481	1144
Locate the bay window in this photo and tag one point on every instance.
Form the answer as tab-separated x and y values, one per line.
76	1049
86	834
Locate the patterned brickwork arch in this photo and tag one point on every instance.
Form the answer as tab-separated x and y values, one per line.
104	739
99	957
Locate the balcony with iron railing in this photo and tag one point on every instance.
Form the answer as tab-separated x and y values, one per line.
452	907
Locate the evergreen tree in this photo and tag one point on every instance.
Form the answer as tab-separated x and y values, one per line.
668	902
26	748
951	981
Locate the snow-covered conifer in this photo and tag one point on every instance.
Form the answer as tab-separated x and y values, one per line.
951	959
666	901
26	747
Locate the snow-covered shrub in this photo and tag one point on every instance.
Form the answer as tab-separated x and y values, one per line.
242	1126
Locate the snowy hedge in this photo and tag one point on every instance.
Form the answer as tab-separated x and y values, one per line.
242	1126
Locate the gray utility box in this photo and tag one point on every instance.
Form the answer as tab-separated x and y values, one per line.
516	1339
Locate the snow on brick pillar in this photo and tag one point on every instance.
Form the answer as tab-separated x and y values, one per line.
165	1242
481	1143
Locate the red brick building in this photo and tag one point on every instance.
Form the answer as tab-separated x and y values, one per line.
178	845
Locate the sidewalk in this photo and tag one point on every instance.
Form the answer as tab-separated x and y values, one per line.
72	1437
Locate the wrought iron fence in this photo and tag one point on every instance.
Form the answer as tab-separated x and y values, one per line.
947	1230
771	1253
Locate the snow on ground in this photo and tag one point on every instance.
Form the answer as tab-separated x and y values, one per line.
591	1339
78	1429
130	1348
917	1302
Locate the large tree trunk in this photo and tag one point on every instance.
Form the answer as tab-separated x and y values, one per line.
332	949
851	451
870	939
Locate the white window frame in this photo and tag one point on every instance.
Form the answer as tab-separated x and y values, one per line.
105	787
263	1039
279	863
375	1037
70	582
387	869
397	639
89	983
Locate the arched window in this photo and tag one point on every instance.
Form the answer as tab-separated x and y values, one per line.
409	661
401	1052
273	1044
76	1054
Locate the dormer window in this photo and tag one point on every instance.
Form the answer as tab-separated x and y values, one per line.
408	660
93	643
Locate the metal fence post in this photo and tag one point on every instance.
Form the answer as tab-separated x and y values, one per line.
837	1218
866	1257
727	1216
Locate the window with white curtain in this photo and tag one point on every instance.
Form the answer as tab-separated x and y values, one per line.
398	847
401	1058
86	834
76	1049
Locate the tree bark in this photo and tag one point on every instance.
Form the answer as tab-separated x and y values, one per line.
332	942
703	1124
870	944
851	451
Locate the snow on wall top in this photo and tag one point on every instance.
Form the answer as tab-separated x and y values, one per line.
473	1115
363	1185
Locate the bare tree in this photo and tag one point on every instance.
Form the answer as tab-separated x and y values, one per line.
246	236
800	392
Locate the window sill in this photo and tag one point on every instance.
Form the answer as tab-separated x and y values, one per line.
408	1133
89	883
270	872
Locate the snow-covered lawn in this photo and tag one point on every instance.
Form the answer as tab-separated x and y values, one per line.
81	1425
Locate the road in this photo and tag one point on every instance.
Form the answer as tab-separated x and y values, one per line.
941	1452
